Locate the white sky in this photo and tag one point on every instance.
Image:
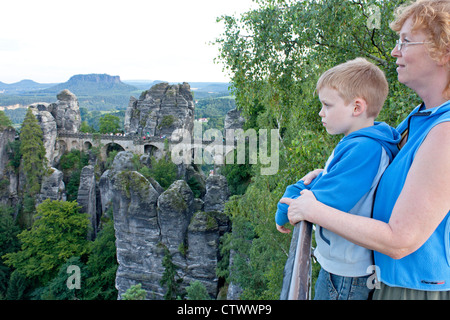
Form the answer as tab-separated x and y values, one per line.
51	40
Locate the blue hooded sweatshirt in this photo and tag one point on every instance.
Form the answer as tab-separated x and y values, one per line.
428	268
348	183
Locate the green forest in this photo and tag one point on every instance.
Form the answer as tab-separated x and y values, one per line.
274	56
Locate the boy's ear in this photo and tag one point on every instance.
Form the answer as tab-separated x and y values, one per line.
359	106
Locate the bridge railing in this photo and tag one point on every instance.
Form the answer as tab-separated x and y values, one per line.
137	139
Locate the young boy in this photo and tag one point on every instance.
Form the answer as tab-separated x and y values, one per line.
352	95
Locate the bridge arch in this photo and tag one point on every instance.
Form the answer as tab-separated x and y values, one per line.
154	150
112	146
74	145
61	146
87	145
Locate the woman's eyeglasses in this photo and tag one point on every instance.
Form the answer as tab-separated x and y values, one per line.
401	44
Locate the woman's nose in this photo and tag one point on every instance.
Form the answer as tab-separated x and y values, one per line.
395	52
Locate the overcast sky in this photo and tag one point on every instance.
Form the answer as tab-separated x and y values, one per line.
50	40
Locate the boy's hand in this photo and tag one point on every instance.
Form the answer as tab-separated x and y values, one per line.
302	206
309	177
283	229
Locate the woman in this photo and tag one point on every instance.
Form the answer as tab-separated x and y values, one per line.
410	232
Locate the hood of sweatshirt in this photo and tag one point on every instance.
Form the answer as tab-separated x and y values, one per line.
387	136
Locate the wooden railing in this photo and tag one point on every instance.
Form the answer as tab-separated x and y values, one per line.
297	271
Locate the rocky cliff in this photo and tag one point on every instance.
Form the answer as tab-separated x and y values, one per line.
151	223
160	110
234	120
66	112
8	178
63	115
88	198
7	135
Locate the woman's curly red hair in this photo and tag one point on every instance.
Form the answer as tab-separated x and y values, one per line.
432	17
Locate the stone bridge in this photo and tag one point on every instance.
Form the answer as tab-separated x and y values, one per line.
133	143
186	149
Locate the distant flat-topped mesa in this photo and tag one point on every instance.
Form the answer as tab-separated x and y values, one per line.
161	110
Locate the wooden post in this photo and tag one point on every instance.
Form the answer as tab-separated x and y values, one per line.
297	271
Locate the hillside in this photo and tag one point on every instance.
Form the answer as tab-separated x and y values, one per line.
23	86
93	85
94	91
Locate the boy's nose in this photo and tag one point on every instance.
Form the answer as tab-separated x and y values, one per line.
321	114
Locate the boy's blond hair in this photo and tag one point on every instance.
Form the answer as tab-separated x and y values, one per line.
433	17
357	78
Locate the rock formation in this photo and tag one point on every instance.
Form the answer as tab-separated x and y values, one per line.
7	135
62	115
161	110
66	112
9	179
87	198
52	187
234	120
134	203
150	225
48	126
216	193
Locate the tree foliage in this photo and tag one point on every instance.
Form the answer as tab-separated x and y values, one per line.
8	243
5	121
259	249
162	170
102	265
170	279
18	287
71	163
135	293
197	291
58	289
274	56
109	123
58	233
33	153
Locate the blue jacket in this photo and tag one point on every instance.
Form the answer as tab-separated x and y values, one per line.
428	268
348	183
